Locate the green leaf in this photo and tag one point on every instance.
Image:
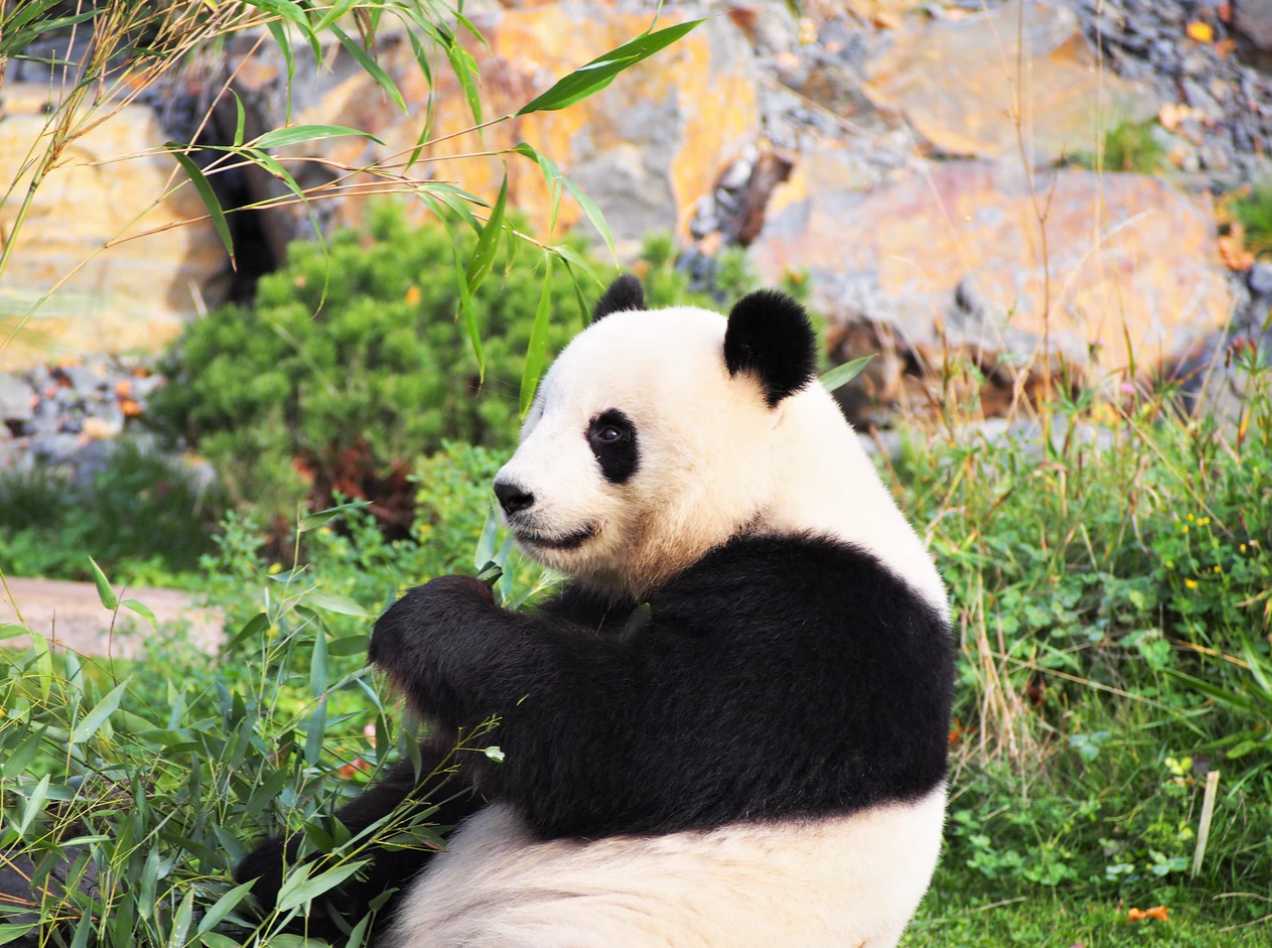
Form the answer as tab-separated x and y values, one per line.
465	69
315	729
132	605
292	12
279	32
296	134
372	68
43	662
240	119
336	12
213	940
97	717
181	921
359	933
208	197
318	663
336	603
9	630
10	933
223	907
17	761
537	349
299	888
554	176
104	592
34	805
600	72
488	241
467	314
841	375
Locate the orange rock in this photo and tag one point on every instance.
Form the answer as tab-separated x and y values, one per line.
966	85
952	255
645	148
123	389
130	408
135	295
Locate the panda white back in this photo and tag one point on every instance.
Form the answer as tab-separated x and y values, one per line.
718	444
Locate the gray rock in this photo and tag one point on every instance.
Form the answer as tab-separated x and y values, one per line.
15	399
1259	279
53	449
1254	22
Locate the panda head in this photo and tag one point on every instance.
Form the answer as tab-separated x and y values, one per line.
651	437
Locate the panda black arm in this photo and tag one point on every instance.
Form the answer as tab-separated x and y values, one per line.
778	677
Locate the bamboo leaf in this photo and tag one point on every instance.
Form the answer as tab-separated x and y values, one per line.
299	888
600	72
12	932
142	610
97	717
465	69
372	67
315	729
488	241
309	133
468	315
8	630
240	119
207	196
104	592
318	663
34	805
554	176
181	921
537	349
841	375
335	603
279	32
223	907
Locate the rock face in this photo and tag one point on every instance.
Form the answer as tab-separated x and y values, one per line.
963	83
955	256
1254	23
644	149
134	295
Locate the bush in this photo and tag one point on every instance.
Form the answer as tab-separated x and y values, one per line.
351	363
143	518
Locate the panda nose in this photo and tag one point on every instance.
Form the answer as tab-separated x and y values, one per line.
512	498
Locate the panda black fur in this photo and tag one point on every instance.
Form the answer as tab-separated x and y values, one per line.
730	728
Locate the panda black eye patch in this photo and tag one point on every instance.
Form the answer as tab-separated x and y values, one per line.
612	438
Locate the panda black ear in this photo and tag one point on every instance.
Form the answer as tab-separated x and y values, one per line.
769	335
623	293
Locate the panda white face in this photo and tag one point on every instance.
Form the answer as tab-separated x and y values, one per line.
639	452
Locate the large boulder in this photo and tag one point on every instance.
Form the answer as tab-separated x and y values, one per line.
134	295
1018	79
954	256
645	149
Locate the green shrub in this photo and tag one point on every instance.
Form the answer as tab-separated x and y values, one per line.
1254	211
143	518
1128	146
351	363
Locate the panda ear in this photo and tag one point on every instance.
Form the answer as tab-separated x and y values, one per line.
769	335
623	293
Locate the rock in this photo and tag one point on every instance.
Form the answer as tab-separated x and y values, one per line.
1253	20
1259	279
957	80
134	295
15	399
645	149
951	255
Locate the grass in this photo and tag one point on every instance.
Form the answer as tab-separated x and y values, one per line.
1127	146
1254	211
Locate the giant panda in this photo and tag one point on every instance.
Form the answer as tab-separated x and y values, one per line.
730	727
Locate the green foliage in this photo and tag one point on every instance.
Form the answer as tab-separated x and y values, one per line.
1254	211
356	349
1113	586
143	518
1128	146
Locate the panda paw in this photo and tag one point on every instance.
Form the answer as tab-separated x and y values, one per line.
425	615
265	865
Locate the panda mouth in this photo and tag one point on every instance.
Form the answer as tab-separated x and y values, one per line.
569	541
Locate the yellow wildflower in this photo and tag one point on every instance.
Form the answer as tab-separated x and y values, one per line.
275	568
1190	583
1241	548
1218	568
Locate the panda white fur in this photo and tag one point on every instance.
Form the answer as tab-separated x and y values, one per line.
730	728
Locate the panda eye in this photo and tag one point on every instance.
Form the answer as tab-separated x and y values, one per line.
609	435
